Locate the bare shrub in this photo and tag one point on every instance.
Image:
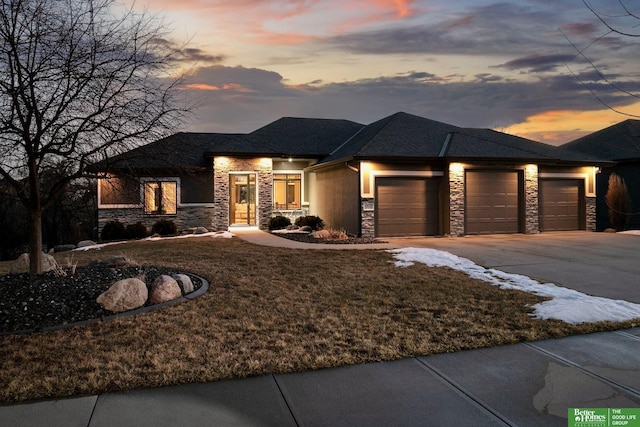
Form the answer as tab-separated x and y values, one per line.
618	202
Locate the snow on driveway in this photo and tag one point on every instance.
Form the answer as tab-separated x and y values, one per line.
567	305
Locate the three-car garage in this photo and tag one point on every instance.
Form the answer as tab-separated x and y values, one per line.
494	203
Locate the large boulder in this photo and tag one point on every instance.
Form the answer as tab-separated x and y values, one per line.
124	295
184	281
164	288
22	263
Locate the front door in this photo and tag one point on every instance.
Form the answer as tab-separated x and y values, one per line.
242	200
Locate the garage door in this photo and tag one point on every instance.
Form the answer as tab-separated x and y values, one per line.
407	206
492	202
560	208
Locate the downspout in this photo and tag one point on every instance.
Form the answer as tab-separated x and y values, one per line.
353	168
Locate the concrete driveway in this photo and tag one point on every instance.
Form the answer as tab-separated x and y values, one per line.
601	264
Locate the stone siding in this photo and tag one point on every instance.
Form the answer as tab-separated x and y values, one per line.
368	221
532	220
591	214
456	201
222	167
187	217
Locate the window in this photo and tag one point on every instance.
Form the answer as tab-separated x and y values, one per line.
287	191
160	197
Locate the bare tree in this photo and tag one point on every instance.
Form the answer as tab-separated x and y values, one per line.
619	20
80	81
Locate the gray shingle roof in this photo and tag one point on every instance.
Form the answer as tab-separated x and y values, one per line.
180	150
302	137
490	144
618	142
405	136
400	136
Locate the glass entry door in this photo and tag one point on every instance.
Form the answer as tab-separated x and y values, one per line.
242	201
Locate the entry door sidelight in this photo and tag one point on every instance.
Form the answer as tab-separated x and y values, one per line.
242	206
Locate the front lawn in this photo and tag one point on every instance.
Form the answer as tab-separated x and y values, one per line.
270	310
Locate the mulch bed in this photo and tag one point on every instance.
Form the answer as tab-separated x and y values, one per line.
34	302
308	238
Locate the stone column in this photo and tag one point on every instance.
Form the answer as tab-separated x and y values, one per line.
221	168
456	199
591	213
368	222
531	199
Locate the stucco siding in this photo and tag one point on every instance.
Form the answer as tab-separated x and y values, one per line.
336	198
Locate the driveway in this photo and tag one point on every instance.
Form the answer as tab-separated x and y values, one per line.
601	264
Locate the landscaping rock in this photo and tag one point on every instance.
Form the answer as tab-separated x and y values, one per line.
86	243
63	248
22	263
201	230
185	282
124	295
164	288
306	228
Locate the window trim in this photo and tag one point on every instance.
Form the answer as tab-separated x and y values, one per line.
290	172
145	180
372	174
112	205
589	190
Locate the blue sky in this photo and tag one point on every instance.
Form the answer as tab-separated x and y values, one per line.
512	66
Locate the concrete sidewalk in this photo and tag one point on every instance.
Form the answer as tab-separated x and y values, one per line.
528	384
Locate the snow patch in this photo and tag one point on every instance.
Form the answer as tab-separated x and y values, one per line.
213	234
567	305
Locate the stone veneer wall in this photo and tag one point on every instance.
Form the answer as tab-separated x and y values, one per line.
222	166
456	200
368	219
532	220
187	217
591	213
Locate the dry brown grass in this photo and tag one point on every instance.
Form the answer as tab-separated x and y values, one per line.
270	310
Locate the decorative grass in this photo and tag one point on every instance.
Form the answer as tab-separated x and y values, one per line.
270	310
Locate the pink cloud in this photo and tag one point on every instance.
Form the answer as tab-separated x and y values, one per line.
402	8
288	22
231	87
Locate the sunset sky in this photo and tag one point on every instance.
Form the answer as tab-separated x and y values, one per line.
510	66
